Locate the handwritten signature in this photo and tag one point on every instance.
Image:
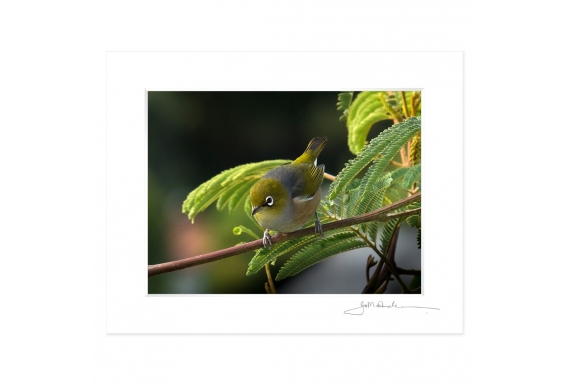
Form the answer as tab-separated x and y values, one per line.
380	304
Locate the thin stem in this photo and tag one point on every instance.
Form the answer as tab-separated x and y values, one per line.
408	191
269	279
405	161
405	104
384	286
390	267
417	101
329	176
380	215
396	163
415	97
369	263
406	213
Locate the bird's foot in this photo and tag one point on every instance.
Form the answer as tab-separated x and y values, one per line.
267	240
318	226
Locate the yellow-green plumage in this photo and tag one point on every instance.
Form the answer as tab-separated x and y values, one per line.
288	196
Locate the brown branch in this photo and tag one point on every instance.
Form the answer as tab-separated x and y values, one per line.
384	286
369	263
383	214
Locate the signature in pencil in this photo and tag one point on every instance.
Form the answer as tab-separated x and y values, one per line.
380	304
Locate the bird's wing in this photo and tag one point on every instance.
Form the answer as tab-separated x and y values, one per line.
306	188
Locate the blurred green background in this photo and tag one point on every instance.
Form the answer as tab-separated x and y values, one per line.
193	136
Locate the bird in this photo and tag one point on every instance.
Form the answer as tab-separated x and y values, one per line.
286	197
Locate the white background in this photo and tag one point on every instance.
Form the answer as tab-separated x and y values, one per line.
52	153
440	77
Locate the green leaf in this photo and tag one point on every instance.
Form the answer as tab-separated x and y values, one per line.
263	256
337	207
242	229
415	221
419	238
415	282
413	174
372	231
372	202
380	151
352	198
400	134
399	173
390	103
386	236
233	194
230	187
344	100
318	251
365	110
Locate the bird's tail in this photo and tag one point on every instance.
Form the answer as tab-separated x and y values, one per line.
313	150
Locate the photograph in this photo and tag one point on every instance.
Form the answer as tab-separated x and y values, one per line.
284	192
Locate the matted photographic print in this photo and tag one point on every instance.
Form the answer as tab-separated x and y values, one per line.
284	192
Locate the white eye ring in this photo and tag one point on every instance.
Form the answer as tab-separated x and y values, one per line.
269	200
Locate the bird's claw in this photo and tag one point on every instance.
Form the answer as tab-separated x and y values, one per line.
267	240
318	226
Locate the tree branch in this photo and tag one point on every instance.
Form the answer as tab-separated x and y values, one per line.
383	214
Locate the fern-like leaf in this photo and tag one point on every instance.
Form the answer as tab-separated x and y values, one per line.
365	110
416	222
399	173
372	231
352	198
401	134
318	251
390	103
373	201
419	238
412	176
415	282
344	100
233	194
380	150
386	236
229	187
416	149
263	256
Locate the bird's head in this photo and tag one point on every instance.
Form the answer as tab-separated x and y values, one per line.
268	198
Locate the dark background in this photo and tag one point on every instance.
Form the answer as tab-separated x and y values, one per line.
193	136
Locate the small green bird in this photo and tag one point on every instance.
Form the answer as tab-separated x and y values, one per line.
286	197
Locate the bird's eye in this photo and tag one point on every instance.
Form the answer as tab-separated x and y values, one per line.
269	200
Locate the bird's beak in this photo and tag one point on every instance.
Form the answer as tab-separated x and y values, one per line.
255	209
